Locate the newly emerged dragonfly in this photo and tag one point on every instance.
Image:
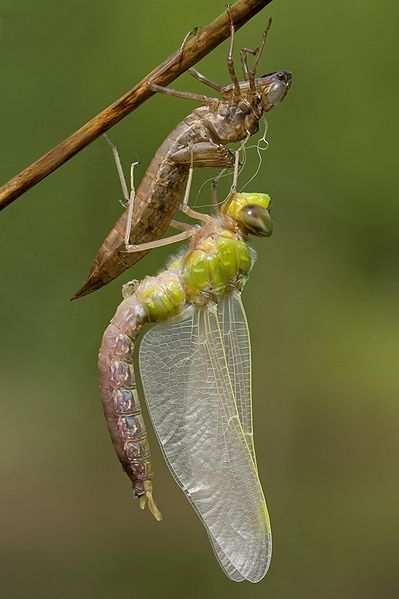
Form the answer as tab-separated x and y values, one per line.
195	368
200	140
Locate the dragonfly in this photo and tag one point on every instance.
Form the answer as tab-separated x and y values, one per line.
199	140
195	368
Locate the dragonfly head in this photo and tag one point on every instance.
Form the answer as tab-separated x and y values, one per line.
251	211
273	88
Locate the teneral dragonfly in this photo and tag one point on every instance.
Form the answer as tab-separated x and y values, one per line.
195	367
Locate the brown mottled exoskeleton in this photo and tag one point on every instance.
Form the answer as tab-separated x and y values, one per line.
200	141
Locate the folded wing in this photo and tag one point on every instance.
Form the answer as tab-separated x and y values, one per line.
190	375
237	345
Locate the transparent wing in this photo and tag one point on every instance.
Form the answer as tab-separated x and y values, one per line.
190	397
234	328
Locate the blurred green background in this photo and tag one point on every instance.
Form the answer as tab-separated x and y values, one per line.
322	305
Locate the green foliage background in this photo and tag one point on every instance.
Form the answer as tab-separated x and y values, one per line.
322	306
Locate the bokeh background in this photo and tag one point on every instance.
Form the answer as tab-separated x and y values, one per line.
322	305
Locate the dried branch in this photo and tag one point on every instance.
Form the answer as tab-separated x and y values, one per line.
196	47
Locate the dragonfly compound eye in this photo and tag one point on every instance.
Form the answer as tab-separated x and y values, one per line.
256	220
274	88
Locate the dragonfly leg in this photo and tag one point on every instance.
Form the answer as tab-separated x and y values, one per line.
260	48
244	63
203	218
176	224
185	208
176	59
178	56
188	230
200	77
230	59
180	94
119	169
132	195
215	180
245	69
201	154
144	247
233	187
250	74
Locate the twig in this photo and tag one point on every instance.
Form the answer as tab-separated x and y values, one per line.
196	47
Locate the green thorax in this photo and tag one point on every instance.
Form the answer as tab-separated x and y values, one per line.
217	263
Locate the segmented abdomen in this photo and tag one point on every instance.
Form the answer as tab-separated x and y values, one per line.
119	393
